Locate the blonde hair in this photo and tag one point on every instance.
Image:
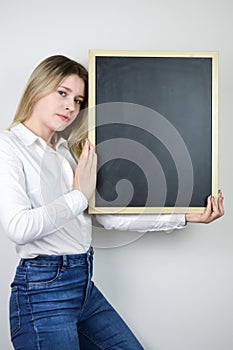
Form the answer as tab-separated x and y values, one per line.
45	78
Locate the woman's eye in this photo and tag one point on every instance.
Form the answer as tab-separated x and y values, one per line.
78	101
62	93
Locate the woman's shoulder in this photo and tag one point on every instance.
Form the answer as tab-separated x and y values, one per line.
4	133
8	142
6	136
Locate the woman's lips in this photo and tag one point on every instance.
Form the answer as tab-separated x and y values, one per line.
64	118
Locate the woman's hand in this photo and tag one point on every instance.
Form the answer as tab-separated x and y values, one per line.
212	212
85	174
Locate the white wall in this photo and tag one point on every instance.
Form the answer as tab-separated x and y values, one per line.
175	291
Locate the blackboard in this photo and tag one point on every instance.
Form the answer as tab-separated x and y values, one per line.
153	118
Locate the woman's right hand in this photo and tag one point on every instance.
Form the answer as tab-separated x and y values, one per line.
85	174
212	211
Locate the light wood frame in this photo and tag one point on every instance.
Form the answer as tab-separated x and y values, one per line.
93	54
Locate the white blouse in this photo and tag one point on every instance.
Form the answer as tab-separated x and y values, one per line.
40	211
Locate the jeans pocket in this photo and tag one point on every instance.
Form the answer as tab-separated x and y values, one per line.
42	275
14	312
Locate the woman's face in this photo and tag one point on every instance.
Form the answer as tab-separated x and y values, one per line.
57	110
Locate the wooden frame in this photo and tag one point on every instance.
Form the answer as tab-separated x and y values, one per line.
170	100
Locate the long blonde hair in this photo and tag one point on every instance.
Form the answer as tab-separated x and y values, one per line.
45	78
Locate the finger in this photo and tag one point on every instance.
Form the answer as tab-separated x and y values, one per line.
209	208
221	208
216	211
89	161
94	165
94	162
220	196
214	205
92	147
83	159
220	203
85	149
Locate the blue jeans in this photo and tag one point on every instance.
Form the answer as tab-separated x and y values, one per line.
54	304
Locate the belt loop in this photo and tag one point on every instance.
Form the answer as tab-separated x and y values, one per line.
90	251
64	262
22	261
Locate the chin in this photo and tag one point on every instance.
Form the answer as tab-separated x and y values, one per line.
62	127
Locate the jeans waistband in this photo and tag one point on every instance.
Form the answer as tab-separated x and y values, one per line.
63	260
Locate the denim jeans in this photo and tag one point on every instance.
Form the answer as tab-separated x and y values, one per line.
54	305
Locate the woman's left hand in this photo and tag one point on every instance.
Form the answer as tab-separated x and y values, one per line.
212	212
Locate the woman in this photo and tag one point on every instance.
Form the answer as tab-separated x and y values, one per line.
54	304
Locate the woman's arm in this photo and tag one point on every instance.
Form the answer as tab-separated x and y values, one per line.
23	223
142	223
163	222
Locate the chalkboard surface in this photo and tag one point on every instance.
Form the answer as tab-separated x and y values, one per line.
153	132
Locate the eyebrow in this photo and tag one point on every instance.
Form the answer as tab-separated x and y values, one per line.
68	89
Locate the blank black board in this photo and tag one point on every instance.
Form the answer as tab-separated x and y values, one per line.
153	132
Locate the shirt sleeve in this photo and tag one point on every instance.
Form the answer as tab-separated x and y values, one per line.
142	223
22	223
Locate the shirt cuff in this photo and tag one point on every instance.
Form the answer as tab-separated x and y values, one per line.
77	201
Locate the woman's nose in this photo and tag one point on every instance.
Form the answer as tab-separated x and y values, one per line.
70	106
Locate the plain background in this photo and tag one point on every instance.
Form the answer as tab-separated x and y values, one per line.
175	291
